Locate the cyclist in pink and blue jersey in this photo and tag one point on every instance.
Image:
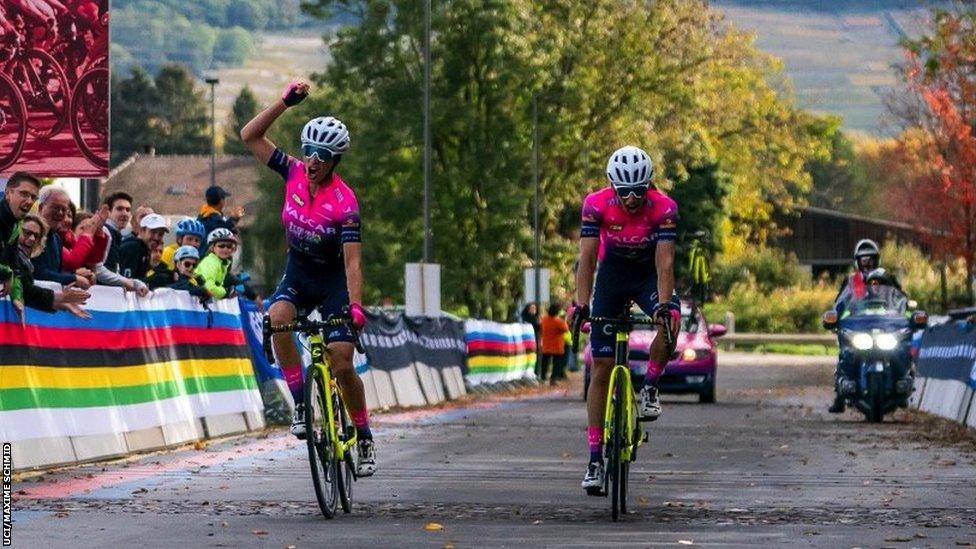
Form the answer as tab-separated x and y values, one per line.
628	229
323	269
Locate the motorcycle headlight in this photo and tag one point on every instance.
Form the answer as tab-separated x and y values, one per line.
886	342
862	341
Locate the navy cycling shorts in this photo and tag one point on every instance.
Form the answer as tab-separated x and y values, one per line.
617	284
308	286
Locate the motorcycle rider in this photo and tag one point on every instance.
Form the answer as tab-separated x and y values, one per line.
867	261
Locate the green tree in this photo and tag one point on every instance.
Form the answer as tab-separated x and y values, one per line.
133	106
182	126
167	113
244	108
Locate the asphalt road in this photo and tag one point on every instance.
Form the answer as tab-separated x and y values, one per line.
764	466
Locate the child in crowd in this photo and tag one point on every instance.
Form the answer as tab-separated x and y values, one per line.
186	259
189	232
215	266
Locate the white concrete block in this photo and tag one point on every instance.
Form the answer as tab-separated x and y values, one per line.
99	446
41	452
224	424
407	387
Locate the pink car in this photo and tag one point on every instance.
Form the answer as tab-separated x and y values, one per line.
693	368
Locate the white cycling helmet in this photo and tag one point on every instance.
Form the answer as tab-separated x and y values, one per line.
184	252
866	247
221	235
629	166
327	132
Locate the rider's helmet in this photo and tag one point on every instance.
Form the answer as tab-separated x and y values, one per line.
878	277
191	226
326	137
220	235
184	252
867	256
629	170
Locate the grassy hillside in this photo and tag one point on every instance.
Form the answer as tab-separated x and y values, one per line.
839	54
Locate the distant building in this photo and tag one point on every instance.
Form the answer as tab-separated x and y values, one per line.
824	239
174	185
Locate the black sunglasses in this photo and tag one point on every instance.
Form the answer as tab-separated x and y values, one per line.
627	192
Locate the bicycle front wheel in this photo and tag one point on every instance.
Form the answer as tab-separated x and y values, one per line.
89	116
344	463
48	94
321	447
614	451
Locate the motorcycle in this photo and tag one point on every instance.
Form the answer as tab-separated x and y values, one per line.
875	337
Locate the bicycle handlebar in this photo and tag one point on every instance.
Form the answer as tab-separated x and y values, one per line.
306	326
628	322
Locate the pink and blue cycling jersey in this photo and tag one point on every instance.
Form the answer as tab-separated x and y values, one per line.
624	235
318	226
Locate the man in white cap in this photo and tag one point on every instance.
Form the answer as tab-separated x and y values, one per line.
135	252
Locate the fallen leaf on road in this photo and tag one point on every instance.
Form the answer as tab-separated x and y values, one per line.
433	527
259	532
565	455
448	546
140	491
199	445
643	500
537	522
784	447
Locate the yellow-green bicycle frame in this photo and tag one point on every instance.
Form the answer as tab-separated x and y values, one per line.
320	362
621	374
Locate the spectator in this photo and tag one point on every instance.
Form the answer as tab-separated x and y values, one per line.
54	206
33	231
120	212
189	232
530	315
553	345
107	269
135	252
159	274
90	241
212	213
15	278
142	211
215	266
186	259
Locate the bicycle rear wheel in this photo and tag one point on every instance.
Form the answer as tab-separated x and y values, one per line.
344	464
321	450
615	447
13	122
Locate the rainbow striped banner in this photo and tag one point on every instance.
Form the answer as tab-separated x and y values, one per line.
499	352
136	364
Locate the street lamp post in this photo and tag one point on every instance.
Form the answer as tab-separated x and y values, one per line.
426	248
535	203
213	129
